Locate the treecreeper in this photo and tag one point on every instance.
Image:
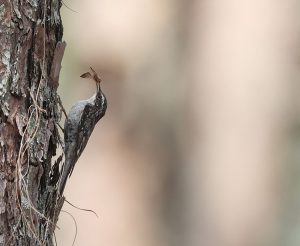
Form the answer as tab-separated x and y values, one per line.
79	125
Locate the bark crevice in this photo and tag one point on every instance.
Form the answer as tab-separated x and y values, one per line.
30	60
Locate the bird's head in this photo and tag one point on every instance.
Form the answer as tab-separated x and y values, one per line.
100	99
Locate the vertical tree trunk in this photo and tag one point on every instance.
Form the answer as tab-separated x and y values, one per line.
30	59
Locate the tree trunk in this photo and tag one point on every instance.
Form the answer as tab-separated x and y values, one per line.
30	59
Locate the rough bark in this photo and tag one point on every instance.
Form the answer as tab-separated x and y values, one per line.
30	59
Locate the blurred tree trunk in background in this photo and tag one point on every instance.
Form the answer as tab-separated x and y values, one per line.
244	56
30	53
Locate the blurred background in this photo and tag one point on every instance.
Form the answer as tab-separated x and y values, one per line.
200	144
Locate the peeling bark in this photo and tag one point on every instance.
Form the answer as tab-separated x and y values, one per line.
31	50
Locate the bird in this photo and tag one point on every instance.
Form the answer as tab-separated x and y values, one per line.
79	125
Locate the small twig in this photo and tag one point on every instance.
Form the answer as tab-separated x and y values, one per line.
60	127
69	7
83	209
74	223
62	107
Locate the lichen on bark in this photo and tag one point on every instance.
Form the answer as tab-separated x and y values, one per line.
31	50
